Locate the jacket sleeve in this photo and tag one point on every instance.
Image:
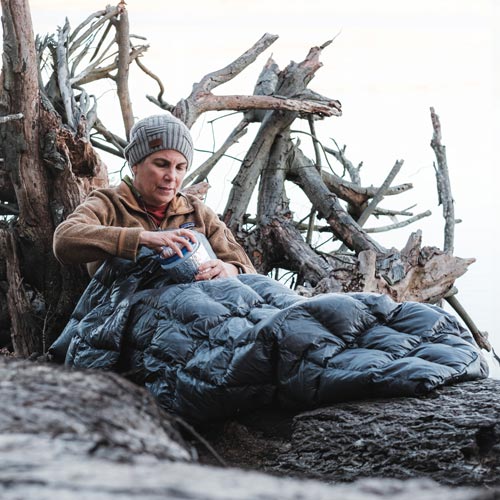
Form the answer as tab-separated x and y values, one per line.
89	234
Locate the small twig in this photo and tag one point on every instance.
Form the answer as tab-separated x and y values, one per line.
8	209
317	153
390	213
398	225
154	77
201	439
318	143
206	167
105	147
340	156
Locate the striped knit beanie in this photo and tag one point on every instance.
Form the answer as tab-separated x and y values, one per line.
156	133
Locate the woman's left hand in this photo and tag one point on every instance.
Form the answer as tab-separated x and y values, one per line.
214	269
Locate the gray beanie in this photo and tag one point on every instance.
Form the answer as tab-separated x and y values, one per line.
156	133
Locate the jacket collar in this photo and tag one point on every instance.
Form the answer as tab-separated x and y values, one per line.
130	196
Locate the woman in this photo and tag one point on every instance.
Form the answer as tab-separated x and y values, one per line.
117	221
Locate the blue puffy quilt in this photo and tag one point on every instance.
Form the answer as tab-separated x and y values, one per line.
211	349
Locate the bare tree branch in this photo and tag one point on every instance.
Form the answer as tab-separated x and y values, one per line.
340	156
379	196
216	78
118	142
317	154
109	13
480	337
443	184
399	225
148	72
266	85
380	229
292	80
329	208
123	41
210	102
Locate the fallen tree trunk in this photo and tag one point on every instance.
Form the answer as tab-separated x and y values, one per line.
71	434
86	413
451	436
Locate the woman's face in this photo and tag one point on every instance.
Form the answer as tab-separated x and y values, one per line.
159	176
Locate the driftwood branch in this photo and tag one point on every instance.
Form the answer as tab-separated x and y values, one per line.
327	229
116	141
211	102
266	85
216	78
159	98
319	165
123	41
480	337
379	196
383	211
355	195
104	15
399	225
443	184
292	80
272	199
329	208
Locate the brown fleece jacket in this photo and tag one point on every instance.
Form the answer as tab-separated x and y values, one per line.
109	222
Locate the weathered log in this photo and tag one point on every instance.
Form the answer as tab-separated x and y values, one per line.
451	436
80	435
91	413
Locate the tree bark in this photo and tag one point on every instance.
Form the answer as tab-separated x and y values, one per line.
42	159
70	434
451	436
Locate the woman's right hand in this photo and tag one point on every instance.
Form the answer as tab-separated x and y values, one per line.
161	241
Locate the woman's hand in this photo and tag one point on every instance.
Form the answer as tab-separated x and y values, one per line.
213	269
168	243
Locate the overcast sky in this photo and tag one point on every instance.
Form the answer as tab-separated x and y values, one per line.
390	62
